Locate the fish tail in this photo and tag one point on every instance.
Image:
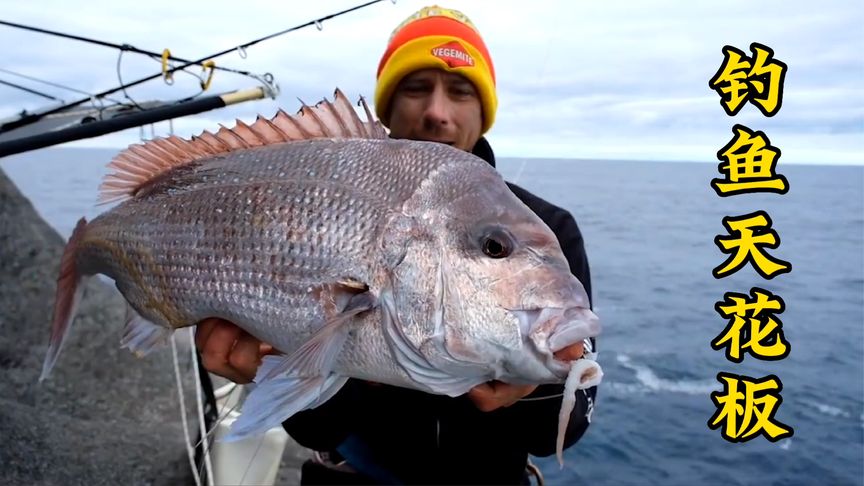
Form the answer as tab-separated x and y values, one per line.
69	293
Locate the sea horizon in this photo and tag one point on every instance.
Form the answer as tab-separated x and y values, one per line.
707	160
649	230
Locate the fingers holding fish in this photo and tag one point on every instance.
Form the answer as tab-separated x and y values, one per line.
570	353
496	394
229	351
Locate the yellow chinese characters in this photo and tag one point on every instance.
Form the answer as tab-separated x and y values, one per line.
753	234
760	334
746	406
745	414
749	165
758	79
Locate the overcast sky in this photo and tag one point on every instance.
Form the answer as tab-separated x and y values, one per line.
599	79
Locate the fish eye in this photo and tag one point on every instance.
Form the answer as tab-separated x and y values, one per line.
497	244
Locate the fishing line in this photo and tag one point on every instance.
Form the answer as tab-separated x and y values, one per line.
120	78
542	76
49	83
134	103
32	91
252	460
210	436
121	47
186	64
548	397
521	169
100	107
190	452
220	419
56	85
206	449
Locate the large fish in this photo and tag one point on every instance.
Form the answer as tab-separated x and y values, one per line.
356	256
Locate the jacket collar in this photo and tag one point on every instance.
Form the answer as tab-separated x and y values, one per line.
483	150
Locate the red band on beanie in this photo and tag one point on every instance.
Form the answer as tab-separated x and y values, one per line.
430	26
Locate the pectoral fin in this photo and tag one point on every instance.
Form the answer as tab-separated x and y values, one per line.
317	356
274	400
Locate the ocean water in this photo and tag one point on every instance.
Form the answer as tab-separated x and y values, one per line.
649	229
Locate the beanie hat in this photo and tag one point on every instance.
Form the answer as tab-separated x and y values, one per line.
436	37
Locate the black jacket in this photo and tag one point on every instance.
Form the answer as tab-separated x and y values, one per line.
422	438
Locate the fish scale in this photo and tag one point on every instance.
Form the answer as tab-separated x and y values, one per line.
315	236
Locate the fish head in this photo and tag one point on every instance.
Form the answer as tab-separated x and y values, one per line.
502	297
533	306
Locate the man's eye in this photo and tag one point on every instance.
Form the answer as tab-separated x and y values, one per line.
462	91
414	88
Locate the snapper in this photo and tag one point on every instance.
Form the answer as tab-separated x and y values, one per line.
356	256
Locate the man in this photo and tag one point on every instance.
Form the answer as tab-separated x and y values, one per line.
436	82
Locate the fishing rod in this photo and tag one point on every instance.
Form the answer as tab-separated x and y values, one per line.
316	22
152	115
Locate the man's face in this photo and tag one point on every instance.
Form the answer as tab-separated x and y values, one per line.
436	106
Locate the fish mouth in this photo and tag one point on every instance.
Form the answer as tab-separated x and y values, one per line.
553	329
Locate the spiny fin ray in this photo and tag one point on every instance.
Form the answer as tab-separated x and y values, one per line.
141	164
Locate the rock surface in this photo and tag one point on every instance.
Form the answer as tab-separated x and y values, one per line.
103	416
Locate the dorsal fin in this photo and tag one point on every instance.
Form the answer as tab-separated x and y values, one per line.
141	164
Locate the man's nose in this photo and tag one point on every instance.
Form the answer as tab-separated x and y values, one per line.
437	112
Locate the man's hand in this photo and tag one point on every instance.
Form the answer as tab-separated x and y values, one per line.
495	394
228	351
570	353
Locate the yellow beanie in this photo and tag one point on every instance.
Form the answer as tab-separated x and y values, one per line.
436	37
